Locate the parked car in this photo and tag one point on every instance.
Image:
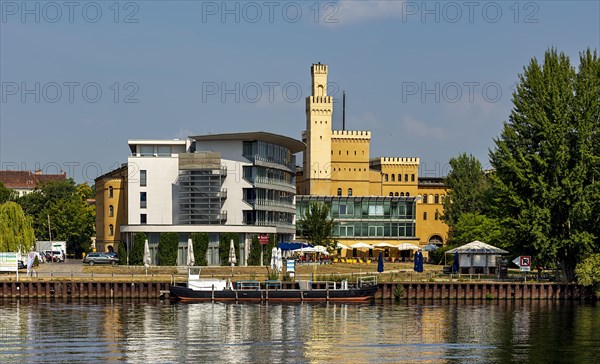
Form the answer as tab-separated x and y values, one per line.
21	265
54	256
100	258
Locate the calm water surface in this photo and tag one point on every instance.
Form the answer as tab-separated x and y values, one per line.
378	332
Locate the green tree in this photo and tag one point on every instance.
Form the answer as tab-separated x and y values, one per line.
546	185
588	273
16	231
256	248
200	243
167	249
467	187
6	194
66	205
122	253
475	226
317	227
136	256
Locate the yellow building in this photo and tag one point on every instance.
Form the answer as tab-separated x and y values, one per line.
111	208
337	164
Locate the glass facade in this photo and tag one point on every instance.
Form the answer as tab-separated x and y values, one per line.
268	152
366	217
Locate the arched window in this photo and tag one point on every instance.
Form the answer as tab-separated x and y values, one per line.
399	177
407	194
349	191
393	177
339	191
412	177
111	211
424	198
110	191
437	215
385	177
425	215
392	193
406	178
436	199
397	194
402	194
111	230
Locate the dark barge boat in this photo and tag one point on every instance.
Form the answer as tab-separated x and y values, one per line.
199	289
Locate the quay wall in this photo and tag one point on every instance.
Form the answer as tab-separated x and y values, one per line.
392	290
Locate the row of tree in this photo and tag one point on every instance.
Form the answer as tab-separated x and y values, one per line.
60	208
542	195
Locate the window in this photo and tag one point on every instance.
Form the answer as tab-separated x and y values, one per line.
164	150
375	230
375	210
349	191
425	215
147	150
396	194
111	211
143	219
424	198
407	194
399	177
110	191
385	177
437	215
346	230
392	193
143	201
339	191
143	174
402	194
412	177
111	230
406	178
393	177
436	199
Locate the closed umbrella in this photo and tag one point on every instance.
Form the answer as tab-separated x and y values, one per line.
380	262
147	259
274	258
279	260
418	262
232	258
190	261
455	265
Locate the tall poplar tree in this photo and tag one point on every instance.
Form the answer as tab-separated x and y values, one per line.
16	230
546	184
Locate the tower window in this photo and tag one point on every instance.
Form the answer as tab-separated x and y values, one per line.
349	191
437	215
407	194
412	177
406	178
111	230
393	178
392	194
436	199
111	211
402	194
110	191
339	191
425	215
424	198
385	177
396	194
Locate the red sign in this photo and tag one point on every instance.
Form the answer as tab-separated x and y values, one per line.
525	261
263	239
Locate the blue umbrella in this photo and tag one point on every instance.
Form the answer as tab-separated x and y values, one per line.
455	264
418	262
380	263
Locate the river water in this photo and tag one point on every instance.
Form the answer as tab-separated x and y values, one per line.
378	332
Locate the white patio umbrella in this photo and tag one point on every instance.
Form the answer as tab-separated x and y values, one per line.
190	260
147	259
274	258
477	247
361	245
321	249
232	258
342	246
407	246
279	260
383	245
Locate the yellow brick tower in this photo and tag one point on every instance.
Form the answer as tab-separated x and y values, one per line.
317	136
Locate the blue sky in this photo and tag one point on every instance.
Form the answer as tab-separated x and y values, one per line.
429	79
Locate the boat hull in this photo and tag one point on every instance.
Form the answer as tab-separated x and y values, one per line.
275	295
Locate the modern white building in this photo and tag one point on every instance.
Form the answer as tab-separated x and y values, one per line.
221	183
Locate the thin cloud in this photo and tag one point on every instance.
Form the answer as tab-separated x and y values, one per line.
412	126
358	11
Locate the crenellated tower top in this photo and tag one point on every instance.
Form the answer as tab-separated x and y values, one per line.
319	79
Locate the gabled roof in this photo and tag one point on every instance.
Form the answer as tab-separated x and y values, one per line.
28	179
